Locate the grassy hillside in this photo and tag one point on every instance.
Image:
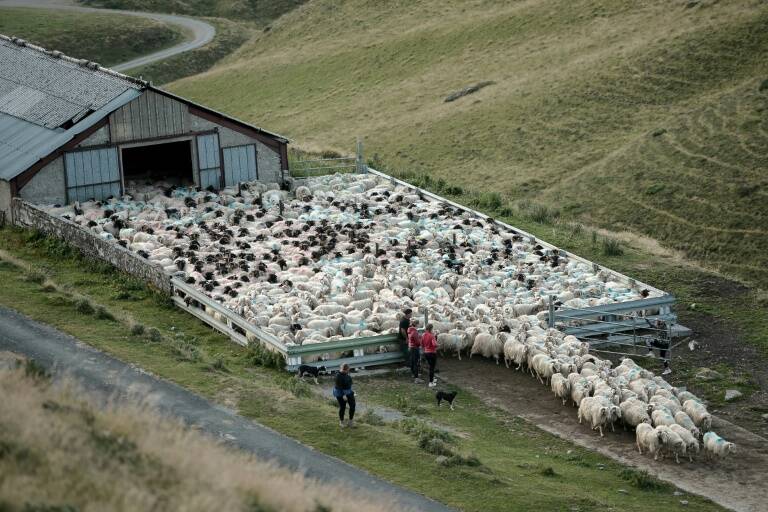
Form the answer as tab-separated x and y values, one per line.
646	116
60	453
103	38
261	12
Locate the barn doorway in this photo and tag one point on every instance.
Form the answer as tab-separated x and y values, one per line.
170	162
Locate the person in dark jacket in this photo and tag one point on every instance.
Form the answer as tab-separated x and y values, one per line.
342	390
402	332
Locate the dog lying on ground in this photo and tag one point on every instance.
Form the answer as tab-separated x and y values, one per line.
447	396
312	371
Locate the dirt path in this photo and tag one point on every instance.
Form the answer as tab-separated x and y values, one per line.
201	32
737	483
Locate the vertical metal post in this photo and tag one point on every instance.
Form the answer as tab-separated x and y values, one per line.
280	206
361	167
634	332
551	319
426	317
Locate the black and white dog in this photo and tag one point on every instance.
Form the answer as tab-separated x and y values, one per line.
312	371
447	396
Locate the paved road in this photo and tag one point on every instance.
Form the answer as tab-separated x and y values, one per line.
202	33
106	376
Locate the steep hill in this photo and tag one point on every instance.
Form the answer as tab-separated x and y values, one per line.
649	116
103	38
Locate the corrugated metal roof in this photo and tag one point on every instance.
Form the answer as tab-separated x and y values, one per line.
38	87
23	143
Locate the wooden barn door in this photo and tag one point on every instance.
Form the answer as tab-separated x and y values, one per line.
240	164
209	161
92	174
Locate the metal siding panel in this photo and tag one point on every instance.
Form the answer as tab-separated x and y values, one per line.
252	171
228	167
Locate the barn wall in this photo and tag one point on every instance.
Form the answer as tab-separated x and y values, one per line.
97	138
268	160
29	216
148	116
47	186
5	199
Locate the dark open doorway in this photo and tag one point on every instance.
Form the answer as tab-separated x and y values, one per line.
170	162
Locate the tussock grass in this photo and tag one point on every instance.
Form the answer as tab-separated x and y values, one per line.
54	446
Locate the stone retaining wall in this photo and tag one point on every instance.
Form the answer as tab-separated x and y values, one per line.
27	215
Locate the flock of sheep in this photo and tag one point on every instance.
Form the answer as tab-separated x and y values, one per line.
666	420
344	254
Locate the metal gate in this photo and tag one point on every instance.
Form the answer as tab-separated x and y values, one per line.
92	174
209	161
240	164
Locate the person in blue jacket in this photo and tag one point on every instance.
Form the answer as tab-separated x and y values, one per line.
342	390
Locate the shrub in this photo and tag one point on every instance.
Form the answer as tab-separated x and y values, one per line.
612	247
542	214
642	480
137	329
186	351
219	364
48	288
434	445
257	355
35	370
297	387
548	471
154	334
371	417
103	314
84	306
419	428
35	276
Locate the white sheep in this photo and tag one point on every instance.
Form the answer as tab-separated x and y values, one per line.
671	442
698	413
685	421
717	447
691	443
560	387
634	412
649	439
594	410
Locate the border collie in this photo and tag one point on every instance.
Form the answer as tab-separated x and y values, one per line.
312	371
447	396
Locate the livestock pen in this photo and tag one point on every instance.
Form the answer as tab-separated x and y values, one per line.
366	350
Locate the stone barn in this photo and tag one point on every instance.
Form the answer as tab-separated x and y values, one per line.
71	130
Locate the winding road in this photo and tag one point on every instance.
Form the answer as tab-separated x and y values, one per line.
201	32
109	378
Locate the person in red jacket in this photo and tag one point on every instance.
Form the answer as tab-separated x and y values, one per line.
414	342
429	344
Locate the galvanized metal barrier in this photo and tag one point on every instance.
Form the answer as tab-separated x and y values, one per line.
350	350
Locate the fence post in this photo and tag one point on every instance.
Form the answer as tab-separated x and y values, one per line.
551	319
361	167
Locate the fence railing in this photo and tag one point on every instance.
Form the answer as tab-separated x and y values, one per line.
321	166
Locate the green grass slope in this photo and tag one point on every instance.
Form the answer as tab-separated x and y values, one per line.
261	12
104	38
643	116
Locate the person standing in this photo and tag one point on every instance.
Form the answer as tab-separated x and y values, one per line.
429	344
402	332
414	355
342	390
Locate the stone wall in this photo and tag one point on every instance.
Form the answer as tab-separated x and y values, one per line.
29	216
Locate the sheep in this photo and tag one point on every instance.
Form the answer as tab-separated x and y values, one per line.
685	421
544	367
698	413
634	412
595	410
717	447
648	438
488	345
454	341
662	417
560	387
691	443
671	442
